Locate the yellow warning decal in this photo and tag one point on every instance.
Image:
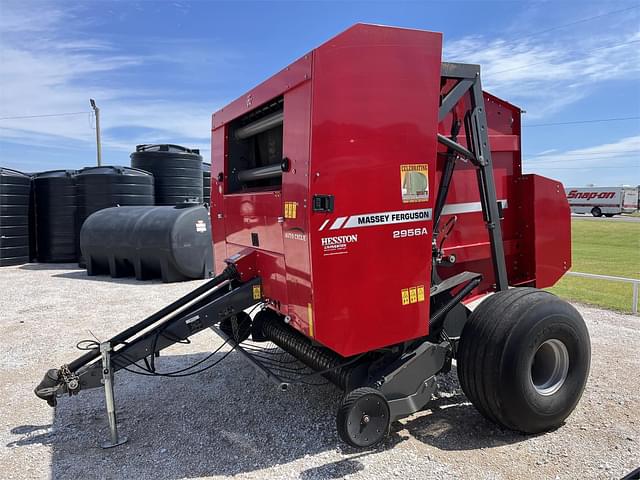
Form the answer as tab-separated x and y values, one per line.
414	182
290	209
413	295
310	315
405	296
257	292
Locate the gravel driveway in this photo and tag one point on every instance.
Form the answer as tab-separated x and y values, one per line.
230	422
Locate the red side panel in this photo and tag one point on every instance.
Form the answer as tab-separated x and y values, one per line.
545	226
295	191
375	107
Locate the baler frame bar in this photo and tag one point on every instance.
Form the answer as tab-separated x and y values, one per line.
478	152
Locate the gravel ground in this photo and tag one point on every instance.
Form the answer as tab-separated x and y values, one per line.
230	422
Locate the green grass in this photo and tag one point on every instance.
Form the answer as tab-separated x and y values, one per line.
607	248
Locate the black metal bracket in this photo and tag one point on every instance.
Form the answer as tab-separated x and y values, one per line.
409	382
478	151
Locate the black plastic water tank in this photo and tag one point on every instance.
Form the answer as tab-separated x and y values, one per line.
206	183
55	214
173	243
177	171
110	186
15	189
33	256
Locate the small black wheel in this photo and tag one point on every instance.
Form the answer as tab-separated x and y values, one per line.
608	215
596	212
364	418
523	359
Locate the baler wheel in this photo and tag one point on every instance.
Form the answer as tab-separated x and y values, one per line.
364	418
523	359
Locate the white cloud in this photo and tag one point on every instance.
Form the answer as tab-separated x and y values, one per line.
612	163
544	77
46	68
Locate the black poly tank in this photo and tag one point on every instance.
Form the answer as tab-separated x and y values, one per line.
177	172
55	216
15	188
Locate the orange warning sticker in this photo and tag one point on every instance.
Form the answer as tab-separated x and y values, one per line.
414	182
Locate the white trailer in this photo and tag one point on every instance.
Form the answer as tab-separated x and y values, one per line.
599	201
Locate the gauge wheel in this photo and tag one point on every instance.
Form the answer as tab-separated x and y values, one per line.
363	418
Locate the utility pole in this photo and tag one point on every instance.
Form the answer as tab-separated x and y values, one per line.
96	111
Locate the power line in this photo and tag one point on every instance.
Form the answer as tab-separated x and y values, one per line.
588	19
585	168
46	115
587	154
576	122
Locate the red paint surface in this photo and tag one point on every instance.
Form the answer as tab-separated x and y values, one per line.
356	109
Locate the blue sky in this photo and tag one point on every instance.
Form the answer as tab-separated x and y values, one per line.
158	69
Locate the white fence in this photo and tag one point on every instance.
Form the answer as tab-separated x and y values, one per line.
633	281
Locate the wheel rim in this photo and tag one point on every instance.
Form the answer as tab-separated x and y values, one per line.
549	367
368	420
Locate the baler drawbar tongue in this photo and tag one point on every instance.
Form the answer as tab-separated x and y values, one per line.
220	298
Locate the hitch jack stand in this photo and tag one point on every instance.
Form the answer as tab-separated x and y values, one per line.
107	380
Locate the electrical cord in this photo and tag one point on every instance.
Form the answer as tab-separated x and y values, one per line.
151	372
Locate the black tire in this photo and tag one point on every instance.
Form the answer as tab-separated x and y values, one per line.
363	418
608	215
499	343
596	212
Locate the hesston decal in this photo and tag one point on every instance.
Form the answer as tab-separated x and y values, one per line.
590	195
337	245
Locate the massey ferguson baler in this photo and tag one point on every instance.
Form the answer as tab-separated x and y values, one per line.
372	226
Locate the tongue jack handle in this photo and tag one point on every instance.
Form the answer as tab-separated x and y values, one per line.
107	380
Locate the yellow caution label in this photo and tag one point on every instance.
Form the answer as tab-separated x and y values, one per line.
290	209
310	315
405	296
257	292
413	295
